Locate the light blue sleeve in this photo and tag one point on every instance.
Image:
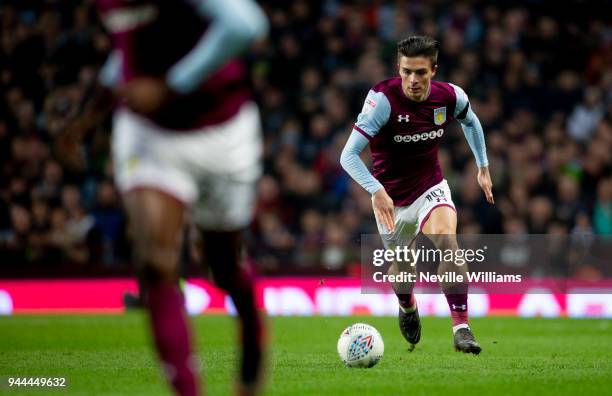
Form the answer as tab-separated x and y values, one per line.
374	114
235	24
470	124
354	166
110	73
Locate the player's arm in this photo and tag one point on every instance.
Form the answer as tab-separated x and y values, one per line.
374	115
472	130
235	25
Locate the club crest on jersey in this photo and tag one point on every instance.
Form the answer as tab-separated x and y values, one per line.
440	115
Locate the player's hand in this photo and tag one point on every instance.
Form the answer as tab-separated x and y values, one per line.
484	181
145	95
383	209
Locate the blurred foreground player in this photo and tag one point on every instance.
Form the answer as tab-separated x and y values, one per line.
403	119
186	136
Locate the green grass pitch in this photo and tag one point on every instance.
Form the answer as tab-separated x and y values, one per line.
110	355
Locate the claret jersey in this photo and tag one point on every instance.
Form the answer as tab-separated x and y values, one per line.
150	37
405	135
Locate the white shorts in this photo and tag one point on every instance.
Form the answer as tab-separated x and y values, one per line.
213	170
409	220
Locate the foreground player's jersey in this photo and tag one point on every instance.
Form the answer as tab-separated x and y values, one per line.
405	135
151	36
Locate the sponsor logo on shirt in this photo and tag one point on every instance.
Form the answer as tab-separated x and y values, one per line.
403	118
419	136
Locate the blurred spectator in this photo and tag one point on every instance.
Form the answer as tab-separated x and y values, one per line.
586	115
602	213
110	222
14	240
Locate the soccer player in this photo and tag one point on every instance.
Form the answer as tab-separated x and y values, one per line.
404	119
186	138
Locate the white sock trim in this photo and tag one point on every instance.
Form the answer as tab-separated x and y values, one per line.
460	326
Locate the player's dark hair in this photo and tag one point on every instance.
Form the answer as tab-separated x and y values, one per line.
419	46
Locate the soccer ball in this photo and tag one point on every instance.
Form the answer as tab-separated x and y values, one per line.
360	345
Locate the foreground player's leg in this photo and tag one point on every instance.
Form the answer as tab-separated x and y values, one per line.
441	228
155	221
223	252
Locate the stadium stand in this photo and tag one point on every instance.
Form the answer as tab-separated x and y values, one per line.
541	85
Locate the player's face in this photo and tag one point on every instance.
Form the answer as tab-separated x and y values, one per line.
416	73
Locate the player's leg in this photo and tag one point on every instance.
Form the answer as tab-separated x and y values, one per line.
440	225
403	234
225	209
156	221
147	162
403	291
227	168
408	314
223	253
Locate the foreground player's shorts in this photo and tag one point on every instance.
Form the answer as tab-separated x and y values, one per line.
409	220
213	170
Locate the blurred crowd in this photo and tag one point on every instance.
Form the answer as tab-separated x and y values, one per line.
539	76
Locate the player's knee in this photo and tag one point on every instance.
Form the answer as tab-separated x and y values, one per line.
444	241
441	228
155	260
